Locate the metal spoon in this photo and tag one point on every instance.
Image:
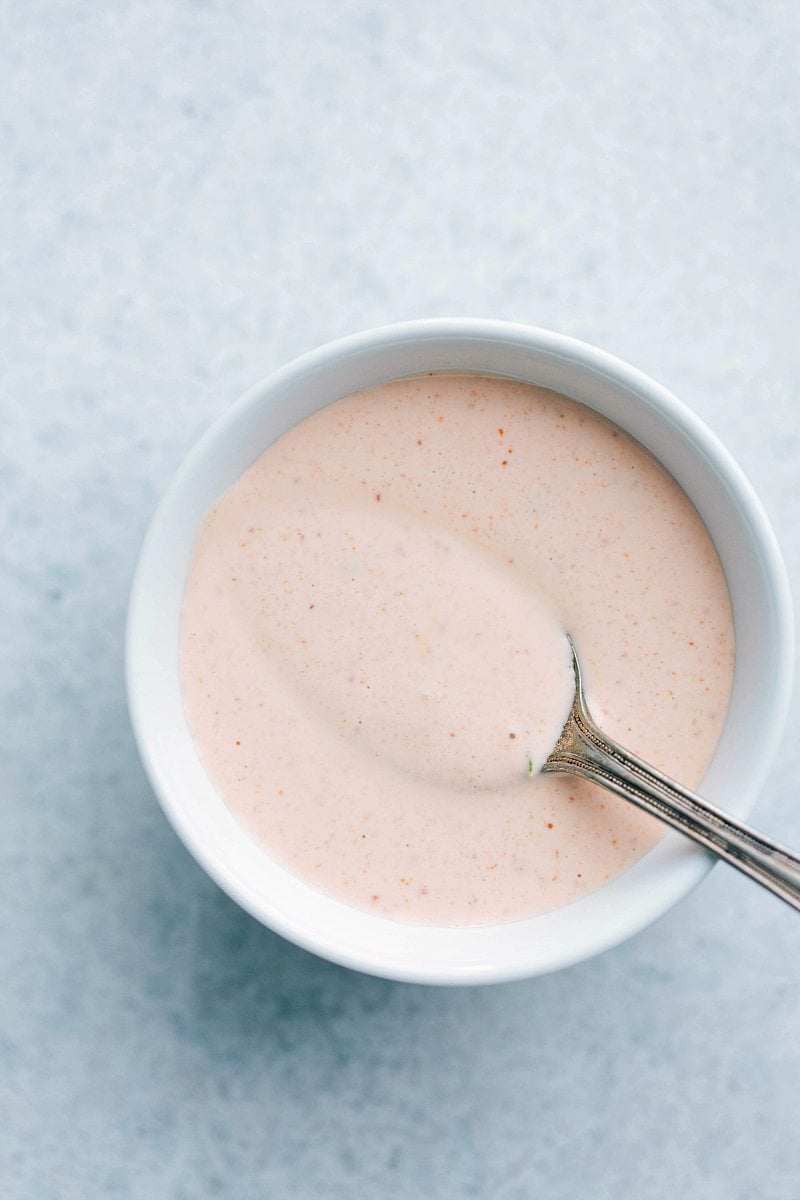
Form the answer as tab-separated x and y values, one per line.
583	749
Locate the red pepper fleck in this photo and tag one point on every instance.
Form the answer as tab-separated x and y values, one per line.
377	496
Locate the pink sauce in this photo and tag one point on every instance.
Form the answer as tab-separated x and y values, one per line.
373	653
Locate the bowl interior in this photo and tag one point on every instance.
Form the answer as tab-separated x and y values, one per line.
480	954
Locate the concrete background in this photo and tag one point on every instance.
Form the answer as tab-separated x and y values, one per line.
195	193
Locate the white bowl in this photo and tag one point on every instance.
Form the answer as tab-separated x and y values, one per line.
486	954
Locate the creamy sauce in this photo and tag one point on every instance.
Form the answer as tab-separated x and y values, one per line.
373	653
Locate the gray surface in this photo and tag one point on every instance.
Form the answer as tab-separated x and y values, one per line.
197	192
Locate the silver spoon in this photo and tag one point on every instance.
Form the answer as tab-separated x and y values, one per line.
583	749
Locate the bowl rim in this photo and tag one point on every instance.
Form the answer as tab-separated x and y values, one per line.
598	361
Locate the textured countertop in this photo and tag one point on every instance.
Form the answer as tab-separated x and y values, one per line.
196	192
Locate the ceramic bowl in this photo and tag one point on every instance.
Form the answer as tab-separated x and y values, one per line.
469	955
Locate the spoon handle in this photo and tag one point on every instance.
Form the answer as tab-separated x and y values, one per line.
583	749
